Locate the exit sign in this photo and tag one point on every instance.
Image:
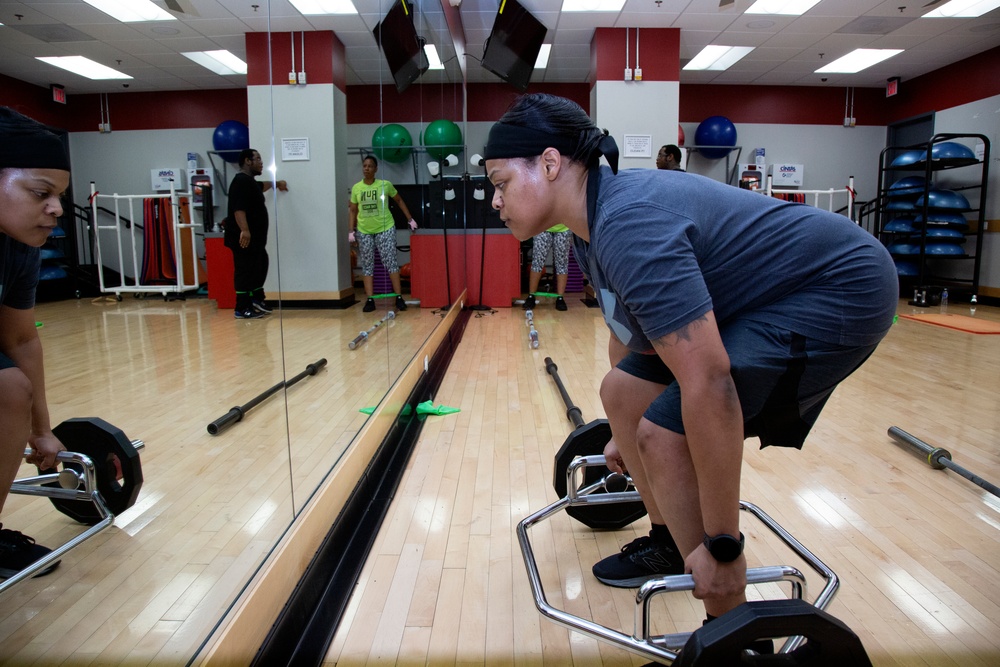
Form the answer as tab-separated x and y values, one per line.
892	86
58	93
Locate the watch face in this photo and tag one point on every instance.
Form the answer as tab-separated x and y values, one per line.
725	548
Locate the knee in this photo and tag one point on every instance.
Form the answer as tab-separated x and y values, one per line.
615	390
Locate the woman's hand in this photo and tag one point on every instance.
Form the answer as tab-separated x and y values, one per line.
613	458
413	224
715	581
244	239
350	237
44	449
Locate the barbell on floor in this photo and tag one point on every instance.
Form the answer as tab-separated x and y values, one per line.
811	636
529	320
362	337
939	458
116	472
237	413
101	478
588	439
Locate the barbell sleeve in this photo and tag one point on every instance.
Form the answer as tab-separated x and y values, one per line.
939	458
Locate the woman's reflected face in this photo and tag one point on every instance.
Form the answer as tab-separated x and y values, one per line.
368	168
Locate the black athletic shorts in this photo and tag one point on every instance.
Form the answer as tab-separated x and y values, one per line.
783	380
6	362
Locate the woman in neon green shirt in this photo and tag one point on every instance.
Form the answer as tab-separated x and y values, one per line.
372	227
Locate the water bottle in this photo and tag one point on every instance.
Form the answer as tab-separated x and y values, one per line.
944	299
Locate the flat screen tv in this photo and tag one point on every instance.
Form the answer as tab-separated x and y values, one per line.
512	47
402	47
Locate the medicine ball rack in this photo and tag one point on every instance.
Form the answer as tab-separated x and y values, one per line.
924	272
787	617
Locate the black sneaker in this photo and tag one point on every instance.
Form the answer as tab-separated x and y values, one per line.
369	305
400	303
561	304
262	307
639	561
529	303
18	551
250	313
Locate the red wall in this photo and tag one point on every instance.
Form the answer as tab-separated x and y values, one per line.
325	59
34	101
659	50
382	104
974	78
792	105
960	83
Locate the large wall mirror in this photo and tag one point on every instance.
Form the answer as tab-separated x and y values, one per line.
213	507
369	110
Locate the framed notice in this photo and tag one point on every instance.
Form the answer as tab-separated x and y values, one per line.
296	148
638	145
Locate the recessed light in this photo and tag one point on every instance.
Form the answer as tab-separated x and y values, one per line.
84	67
760	24
164	30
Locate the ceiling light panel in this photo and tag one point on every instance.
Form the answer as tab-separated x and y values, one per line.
132	11
324	7
221	62
717	58
858	60
782	7
84	67
963	9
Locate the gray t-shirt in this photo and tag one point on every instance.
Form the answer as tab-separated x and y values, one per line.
666	247
18	273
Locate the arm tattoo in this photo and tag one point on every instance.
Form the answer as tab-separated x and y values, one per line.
685	333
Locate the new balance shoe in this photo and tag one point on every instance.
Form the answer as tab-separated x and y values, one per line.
561	304
529	303
18	551
262	307
250	313
639	561
369	305
400	303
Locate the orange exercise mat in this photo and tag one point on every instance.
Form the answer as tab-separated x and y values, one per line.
958	322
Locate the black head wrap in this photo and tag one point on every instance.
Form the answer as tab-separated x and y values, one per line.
33	150
510	141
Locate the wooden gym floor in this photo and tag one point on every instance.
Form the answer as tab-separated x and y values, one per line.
917	549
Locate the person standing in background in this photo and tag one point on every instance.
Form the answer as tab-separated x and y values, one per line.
559	238
372	227
669	158
246	235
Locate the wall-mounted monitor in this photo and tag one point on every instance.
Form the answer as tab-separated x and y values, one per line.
402	47
513	44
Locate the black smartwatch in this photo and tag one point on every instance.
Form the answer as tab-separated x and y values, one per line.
724	548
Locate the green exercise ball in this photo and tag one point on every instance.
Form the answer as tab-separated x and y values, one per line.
441	138
392	143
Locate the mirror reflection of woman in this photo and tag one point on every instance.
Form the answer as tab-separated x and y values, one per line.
372	227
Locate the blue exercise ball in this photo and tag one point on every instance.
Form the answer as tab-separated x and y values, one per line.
715	131
229	138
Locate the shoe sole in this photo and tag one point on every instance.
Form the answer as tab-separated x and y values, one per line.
634	582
